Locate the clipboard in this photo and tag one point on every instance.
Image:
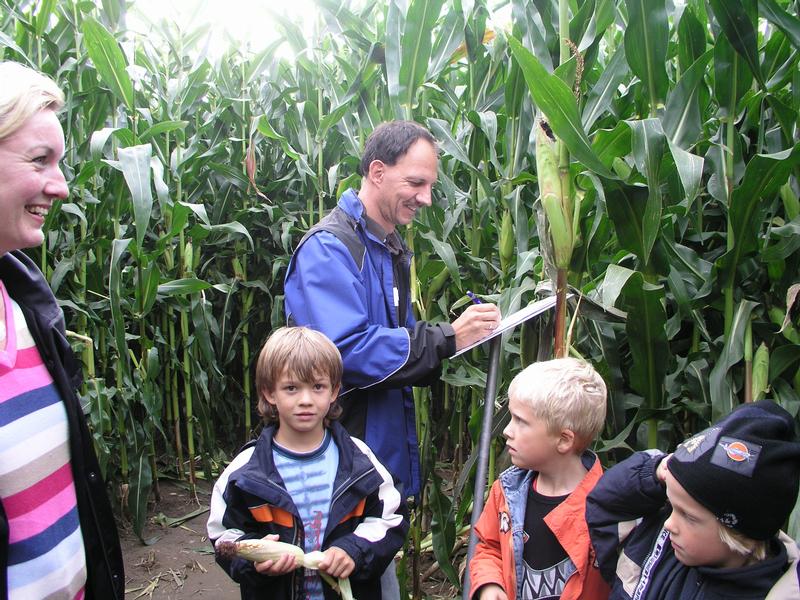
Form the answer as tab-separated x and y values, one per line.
523	314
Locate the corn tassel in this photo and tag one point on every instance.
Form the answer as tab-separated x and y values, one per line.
259	550
559	215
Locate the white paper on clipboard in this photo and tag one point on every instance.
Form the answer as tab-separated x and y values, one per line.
523	314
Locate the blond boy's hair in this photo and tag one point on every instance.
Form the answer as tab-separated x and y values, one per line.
304	354
565	393
24	93
754	550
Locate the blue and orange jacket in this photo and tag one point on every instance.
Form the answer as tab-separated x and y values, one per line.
341	281
367	517
500	530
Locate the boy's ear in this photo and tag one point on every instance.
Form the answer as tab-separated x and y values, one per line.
335	392
566	441
267	396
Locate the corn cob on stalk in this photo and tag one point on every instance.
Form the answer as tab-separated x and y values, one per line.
259	550
507	241
556	203
760	372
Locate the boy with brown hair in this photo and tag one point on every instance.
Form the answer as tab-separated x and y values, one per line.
533	542
306	482
704	522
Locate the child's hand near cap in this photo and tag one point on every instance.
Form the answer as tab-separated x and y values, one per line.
661	470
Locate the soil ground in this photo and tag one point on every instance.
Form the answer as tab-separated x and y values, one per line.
179	564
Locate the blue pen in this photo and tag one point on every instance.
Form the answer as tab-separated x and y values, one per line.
474	298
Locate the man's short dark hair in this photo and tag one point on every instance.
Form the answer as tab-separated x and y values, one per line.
390	141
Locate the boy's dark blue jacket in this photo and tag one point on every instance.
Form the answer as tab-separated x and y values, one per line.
367	516
626	512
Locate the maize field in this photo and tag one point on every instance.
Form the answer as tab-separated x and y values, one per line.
643	155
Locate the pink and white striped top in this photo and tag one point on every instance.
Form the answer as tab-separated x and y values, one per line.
46	557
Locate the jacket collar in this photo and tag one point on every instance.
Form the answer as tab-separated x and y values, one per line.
26	285
261	478
567	520
740	582
352	205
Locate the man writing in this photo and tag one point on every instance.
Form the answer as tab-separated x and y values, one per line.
349	278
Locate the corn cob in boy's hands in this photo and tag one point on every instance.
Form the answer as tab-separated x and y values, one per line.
259	550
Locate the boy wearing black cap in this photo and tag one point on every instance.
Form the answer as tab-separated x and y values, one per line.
705	521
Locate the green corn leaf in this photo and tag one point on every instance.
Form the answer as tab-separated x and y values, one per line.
723	395
141	482
134	162
115	301
42	20
416	46
555	100
442	529
648	150
441	131
763	176
646	329
691	39
626	207
681	120
646	38
738	26
602	93
732	78
445	252
690	171
6	41
181	287
109	61
789	24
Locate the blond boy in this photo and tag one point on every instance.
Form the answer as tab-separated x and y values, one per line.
703	523
305	481
532	536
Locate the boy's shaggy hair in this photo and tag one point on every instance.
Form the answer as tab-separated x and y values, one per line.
565	393
304	354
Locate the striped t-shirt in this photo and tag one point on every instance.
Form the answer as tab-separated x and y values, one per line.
309	478
46	556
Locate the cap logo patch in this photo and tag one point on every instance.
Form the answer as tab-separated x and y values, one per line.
737	451
697	445
736	455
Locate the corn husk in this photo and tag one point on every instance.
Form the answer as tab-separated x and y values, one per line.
259	550
760	372
556	206
507	241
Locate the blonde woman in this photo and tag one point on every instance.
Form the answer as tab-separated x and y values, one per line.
58	538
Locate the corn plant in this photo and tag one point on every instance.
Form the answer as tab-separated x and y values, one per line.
643	155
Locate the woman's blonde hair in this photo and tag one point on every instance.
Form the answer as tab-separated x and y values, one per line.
303	353
23	93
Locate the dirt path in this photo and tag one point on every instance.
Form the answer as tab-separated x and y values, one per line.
180	564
